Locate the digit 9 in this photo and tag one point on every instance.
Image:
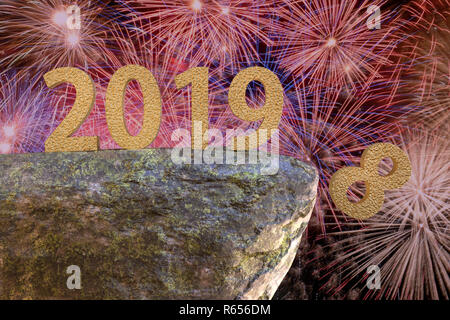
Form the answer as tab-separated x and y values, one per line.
270	113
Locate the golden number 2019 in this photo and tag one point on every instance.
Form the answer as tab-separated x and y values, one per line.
61	139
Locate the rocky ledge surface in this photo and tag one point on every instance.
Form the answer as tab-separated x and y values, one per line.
141	227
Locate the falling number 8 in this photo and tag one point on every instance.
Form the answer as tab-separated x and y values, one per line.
373	199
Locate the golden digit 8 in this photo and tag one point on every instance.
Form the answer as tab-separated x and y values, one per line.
373	199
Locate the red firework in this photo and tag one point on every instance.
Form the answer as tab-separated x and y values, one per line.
25	121
220	33
426	82
41	34
329	42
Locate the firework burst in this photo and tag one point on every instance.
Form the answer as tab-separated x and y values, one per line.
38	34
427	81
329	42
25	121
409	240
219	33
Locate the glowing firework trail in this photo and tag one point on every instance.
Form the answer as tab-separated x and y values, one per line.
37	33
409	240
427	81
25	121
221	33
422	13
329	42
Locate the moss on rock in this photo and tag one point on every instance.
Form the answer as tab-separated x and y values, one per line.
141	227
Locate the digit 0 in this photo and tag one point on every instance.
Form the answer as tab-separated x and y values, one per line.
114	107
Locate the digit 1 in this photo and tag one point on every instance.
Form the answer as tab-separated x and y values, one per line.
199	78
